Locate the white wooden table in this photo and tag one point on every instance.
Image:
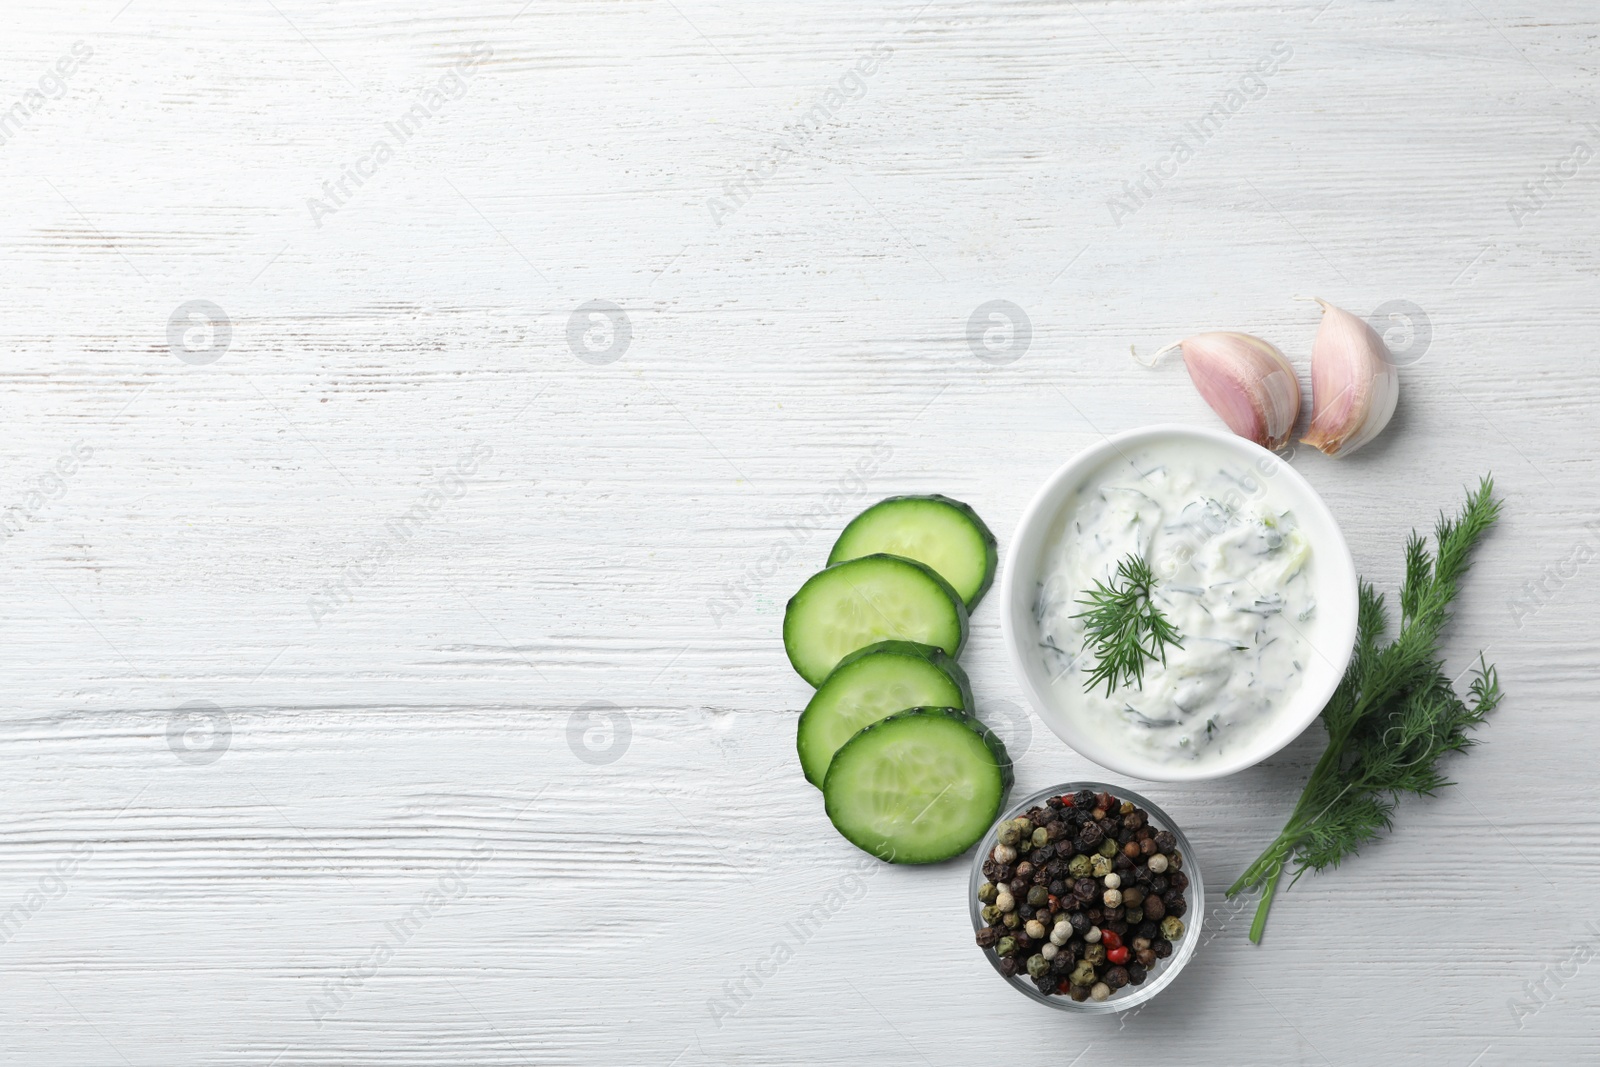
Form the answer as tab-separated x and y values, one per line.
392	671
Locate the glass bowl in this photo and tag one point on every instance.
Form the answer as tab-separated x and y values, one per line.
1129	996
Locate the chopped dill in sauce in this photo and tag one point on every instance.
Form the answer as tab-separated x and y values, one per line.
1233	575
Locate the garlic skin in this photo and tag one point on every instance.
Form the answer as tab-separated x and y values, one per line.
1247	381
1354	383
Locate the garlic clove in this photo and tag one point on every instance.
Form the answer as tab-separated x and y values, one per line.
1354	383
1248	382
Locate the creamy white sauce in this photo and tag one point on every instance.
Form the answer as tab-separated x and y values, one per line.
1234	577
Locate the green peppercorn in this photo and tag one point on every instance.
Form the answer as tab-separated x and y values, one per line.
1100	866
1041	837
987	892
1095	953
1006	946
1126	808
1038	966
1172	928
1008	834
1038	896
1011	920
1108	847
1082	974
1079	866
991	914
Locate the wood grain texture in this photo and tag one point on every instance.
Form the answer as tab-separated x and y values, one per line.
491	750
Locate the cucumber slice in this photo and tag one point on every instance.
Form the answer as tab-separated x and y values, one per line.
870	684
921	786
945	534
863	601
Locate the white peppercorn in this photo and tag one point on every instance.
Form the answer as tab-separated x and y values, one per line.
1092	935
1034	929
1050	950
1158	864
1111	898
1113	880
1004	854
1099	991
1005	901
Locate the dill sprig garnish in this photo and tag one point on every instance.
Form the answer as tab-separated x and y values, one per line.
1393	716
1124	627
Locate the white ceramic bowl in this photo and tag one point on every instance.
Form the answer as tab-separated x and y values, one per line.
1333	578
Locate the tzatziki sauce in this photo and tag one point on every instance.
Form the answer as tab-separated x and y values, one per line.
1233	576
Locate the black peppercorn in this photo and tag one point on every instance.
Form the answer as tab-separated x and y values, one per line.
1132	896
1177	907
1090	836
1026	911
1115	977
1038	816
1149	928
1106	801
990	869
1154	909
1124	836
1002	873
988	936
1165	841
1134	821
1161	947
1147	956
1086	887
1046	983
1083	798
1147	847
1024	869
1042	855
1008	965
1058	888
1054	803
1159	883
1179	881
1118	927
1137	972
1108	825
1121	863
1080	922
1095	915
